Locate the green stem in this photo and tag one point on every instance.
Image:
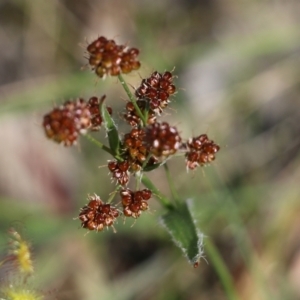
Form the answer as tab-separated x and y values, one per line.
132	99
113	194
138	176
171	183
221	269
164	201
102	146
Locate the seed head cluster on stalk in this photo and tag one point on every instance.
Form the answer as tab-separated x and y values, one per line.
148	144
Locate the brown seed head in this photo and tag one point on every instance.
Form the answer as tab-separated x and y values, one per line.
108	58
64	123
156	90
134	202
135	150
162	139
120	171
96	215
152	97
201	151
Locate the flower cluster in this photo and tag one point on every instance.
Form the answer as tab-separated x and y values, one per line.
134	202
162	139
156	90
96	214
136	152
146	146
201	151
119	170
108	58
152	97
64	123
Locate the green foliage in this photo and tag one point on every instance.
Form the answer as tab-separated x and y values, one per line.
182	227
112	131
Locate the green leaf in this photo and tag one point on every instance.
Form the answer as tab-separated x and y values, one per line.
111	129
152	167
181	225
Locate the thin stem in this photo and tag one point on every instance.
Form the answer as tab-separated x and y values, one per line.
164	201
113	194
132	99
171	183
138	176
102	146
221	269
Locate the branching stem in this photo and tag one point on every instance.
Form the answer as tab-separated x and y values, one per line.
132	99
164	201
102	146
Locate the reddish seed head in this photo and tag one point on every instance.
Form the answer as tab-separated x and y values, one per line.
130	106
123	166
134	207
90	225
96	215
108	58
171	89
126	200
112	165
119	171
64	123
105	208
134	52
135	150
94	108
162	139
156	90
138	196
146	194
134	202
167	76
94	204
202	151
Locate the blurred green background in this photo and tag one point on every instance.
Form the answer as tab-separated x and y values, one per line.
238	72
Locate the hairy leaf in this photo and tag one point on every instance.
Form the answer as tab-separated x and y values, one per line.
182	227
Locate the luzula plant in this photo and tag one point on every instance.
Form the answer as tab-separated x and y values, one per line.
147	146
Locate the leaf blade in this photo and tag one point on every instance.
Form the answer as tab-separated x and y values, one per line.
111	129
181	225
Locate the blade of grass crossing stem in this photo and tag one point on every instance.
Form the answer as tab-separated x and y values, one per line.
182	227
